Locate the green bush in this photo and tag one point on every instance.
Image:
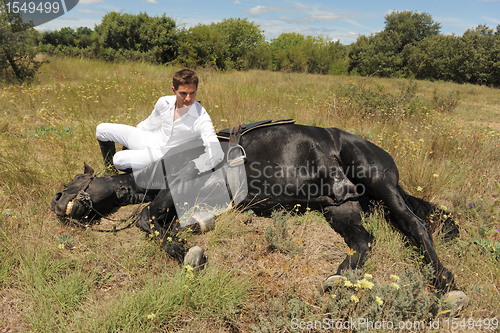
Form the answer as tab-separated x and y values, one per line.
17	52
292	52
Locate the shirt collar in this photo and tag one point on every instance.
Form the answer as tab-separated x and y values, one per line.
194	110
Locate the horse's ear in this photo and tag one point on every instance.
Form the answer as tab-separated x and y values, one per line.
87	169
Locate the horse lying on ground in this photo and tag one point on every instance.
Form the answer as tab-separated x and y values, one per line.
287	166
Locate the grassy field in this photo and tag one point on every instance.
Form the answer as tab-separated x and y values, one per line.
263	273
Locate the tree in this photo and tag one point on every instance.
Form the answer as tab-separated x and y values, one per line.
287	53
381	53
495	55
238	37
484	43
437	58
141	33
201	46
471	58
411	27
64	36
259	57
229	44
17	54
298	53
378	54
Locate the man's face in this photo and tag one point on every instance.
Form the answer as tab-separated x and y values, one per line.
185	95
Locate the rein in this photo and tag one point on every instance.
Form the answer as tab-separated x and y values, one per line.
84	199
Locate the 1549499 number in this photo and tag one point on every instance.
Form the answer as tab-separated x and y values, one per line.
19	7
471	323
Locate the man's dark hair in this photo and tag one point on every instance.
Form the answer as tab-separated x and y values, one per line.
185	76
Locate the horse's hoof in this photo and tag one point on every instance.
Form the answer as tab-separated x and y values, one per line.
195	257
204	221
329	283
142	222
457	300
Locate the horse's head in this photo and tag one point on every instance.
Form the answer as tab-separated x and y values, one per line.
84	197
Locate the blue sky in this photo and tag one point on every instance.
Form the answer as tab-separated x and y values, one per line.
338	20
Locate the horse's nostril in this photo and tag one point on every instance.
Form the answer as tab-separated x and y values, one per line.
57	196
55	200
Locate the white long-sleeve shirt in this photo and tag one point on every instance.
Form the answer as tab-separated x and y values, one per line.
193	124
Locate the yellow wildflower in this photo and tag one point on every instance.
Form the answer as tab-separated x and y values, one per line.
354	298
394	278
395	285
365	284
379	300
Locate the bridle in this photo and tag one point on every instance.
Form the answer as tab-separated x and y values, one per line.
83	198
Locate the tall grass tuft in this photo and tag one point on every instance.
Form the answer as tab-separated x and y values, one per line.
171	301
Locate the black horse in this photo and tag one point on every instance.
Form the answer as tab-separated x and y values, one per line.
324	169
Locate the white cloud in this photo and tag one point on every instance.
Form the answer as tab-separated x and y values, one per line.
322	17
43	29
258	10
237	2
356	24
88	11
89	2
490	19
72	22
326	17
69	18
150	1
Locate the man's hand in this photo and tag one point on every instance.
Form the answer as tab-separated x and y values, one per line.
183	177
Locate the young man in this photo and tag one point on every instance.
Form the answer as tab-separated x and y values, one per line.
175	119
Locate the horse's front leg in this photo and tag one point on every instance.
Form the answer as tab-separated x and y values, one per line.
159	219
159	214
346	220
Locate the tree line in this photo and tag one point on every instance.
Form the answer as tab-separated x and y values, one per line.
230	44
409	46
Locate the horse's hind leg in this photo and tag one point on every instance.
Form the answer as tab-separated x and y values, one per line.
346	220
414	228
383	186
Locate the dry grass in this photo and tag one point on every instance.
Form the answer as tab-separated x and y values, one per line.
95	282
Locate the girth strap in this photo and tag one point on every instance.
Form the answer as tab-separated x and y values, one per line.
234	133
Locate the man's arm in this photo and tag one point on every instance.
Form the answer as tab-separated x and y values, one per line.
154	120
213	152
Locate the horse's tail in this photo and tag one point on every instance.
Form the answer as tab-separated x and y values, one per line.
436	218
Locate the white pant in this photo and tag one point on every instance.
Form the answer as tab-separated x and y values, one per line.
142	145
